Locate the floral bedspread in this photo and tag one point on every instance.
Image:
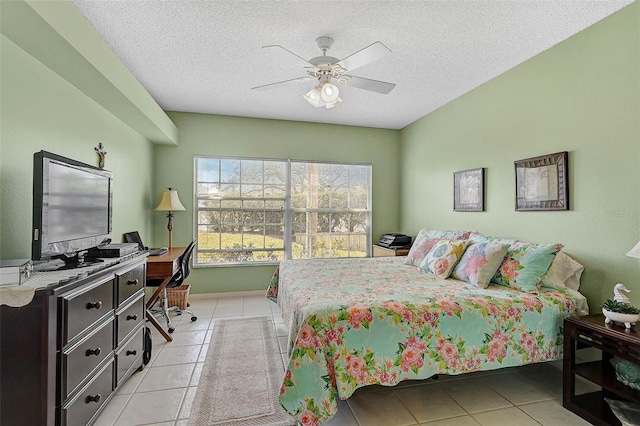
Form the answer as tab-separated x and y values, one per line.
357	322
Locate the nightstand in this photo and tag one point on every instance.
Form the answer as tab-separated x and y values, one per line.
612	340
379	251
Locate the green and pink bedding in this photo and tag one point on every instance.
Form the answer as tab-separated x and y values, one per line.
358	322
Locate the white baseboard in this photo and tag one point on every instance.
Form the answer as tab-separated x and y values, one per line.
227	295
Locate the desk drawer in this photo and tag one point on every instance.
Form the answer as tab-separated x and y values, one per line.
129	354
129	282
129	318
86	305
90	399
83	357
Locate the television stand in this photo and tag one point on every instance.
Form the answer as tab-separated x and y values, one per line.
68	351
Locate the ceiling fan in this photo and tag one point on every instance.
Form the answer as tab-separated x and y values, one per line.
327	68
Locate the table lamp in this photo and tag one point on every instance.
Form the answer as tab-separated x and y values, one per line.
635	251
170	203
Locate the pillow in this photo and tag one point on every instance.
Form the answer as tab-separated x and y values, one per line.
524	265
425	241
480	262
421	246
564	272
443	257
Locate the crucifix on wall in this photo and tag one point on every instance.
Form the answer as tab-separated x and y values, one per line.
101	154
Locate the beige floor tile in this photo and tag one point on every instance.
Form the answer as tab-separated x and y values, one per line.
455	421
544	376
344	416
152	407
112	411
199	303
202	313
275	308
516	389
168	377
185	324
187	338
474	396
176	355
230	302
379	409
224	312
281	330
195	377
428	403
505	417
203	353
185	409
130	385
552	413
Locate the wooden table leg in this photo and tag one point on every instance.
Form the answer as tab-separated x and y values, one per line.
150	317
157	325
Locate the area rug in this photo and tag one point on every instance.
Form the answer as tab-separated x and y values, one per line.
241	376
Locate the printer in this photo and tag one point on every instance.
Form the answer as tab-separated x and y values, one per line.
394	240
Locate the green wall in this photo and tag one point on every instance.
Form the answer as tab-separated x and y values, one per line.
201	134
581	96
41	110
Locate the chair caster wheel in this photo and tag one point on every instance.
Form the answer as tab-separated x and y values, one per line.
171	330
194	318
179	313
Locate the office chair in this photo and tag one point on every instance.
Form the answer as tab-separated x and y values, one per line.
176	280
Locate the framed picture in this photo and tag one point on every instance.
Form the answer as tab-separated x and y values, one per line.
468	190
542	183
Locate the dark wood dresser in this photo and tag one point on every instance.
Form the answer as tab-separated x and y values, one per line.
64	354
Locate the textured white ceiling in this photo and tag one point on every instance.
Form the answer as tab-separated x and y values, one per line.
204	56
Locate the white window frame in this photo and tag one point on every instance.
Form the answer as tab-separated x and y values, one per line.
288	210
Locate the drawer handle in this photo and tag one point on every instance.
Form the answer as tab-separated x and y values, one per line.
94	398
132	317
134	353
133	282
94	305
95	351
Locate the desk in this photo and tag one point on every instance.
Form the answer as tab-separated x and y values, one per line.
162	267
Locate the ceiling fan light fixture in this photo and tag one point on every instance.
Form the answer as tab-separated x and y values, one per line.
334	103
313	96
329	93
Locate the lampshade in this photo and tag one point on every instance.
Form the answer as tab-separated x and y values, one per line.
635	251
313	96
329	93
334	103
170	201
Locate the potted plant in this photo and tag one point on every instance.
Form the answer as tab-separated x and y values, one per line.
620	312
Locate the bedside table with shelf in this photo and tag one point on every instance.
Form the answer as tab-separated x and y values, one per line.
612	340
379	251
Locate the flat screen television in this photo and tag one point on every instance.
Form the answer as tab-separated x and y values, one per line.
72	205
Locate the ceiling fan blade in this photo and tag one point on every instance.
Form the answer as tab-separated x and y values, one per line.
287	55
365	56
272	85
367	84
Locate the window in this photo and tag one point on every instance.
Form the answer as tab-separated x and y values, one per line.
260	210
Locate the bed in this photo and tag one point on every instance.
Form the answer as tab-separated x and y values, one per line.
358	322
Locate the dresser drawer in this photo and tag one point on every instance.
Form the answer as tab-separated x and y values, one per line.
83	307
84	406
129	354
129	282
129	317
84	356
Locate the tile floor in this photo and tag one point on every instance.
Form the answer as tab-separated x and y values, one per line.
162	393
